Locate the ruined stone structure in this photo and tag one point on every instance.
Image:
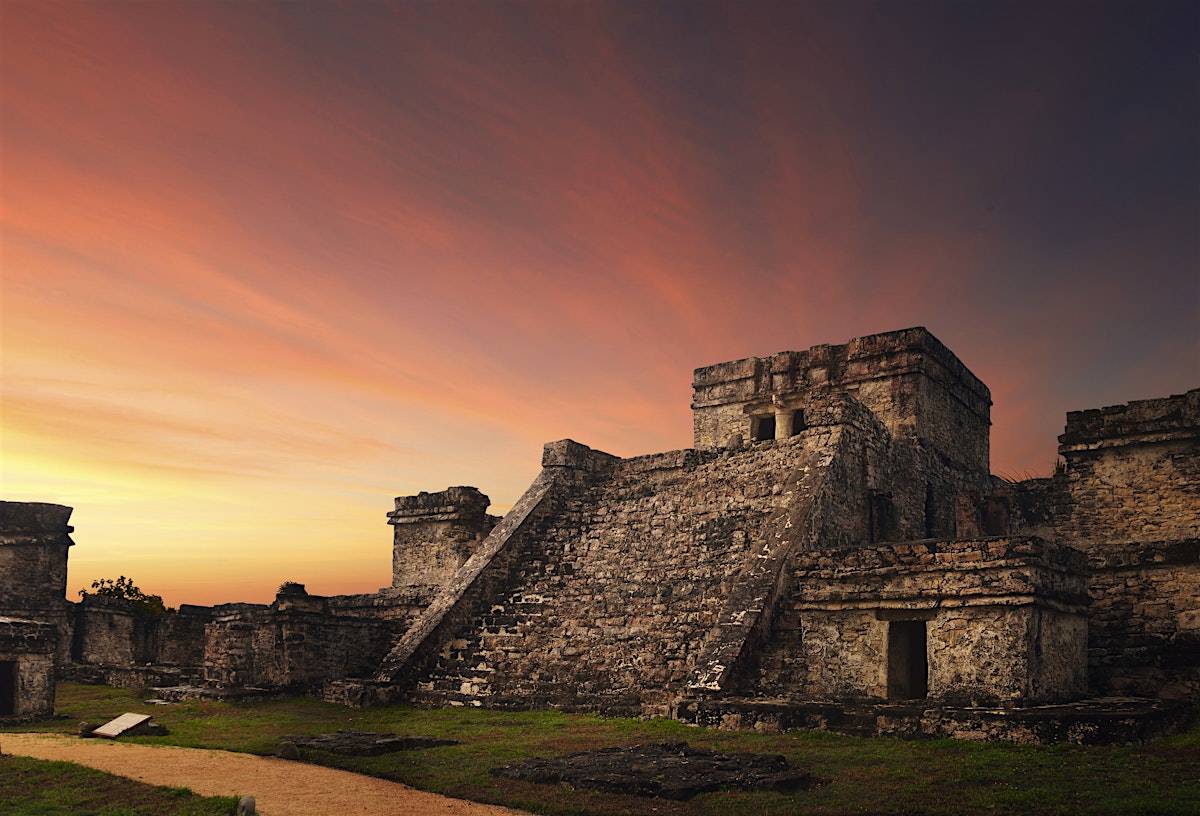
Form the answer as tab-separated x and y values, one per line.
34	623
834	540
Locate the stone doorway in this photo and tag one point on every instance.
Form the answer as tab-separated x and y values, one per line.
908	663
8	688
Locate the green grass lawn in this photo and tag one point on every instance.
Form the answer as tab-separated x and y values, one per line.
31	787
861	776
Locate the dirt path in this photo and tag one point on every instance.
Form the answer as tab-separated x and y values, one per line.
282	788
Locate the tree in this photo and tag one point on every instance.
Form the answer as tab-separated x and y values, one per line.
123	590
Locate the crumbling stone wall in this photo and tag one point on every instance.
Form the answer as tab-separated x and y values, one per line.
180	637
301	641
1145	622
27	661
1133	473
111	631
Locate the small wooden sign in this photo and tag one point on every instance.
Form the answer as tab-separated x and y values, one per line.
117	727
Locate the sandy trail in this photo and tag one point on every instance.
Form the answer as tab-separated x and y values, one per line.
281	787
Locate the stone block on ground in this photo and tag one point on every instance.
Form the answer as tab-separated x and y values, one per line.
364	743
121	725
668	770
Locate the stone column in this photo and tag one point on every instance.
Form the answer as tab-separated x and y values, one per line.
783	422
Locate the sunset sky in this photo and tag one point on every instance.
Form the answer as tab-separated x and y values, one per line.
268	265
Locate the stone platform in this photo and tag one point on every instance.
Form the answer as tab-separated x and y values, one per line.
1104	721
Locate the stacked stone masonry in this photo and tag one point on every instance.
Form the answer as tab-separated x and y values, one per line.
610	608
834	540
27	669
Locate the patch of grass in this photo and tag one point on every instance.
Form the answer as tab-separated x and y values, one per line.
879	776
32	787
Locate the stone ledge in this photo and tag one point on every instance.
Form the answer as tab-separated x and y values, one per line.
1141	421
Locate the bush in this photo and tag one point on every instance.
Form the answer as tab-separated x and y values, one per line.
123	590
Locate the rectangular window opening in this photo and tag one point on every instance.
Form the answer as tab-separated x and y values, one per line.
798	422
908	663
762	427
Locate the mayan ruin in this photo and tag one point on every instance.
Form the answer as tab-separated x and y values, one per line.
833	552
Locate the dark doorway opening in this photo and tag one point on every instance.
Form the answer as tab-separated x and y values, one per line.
8	687
762	427
908	665
881	512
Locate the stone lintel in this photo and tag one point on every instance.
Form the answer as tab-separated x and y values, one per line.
933	573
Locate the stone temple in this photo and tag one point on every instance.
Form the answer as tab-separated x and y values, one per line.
833	552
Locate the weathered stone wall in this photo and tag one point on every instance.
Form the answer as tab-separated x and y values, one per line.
180	637
34	538
243	647
299	641
1145	619
1005	622
27	660
1133	473
1033	507
111	632
1008	655
108	631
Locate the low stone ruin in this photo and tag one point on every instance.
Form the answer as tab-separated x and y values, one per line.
364	743
667	770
